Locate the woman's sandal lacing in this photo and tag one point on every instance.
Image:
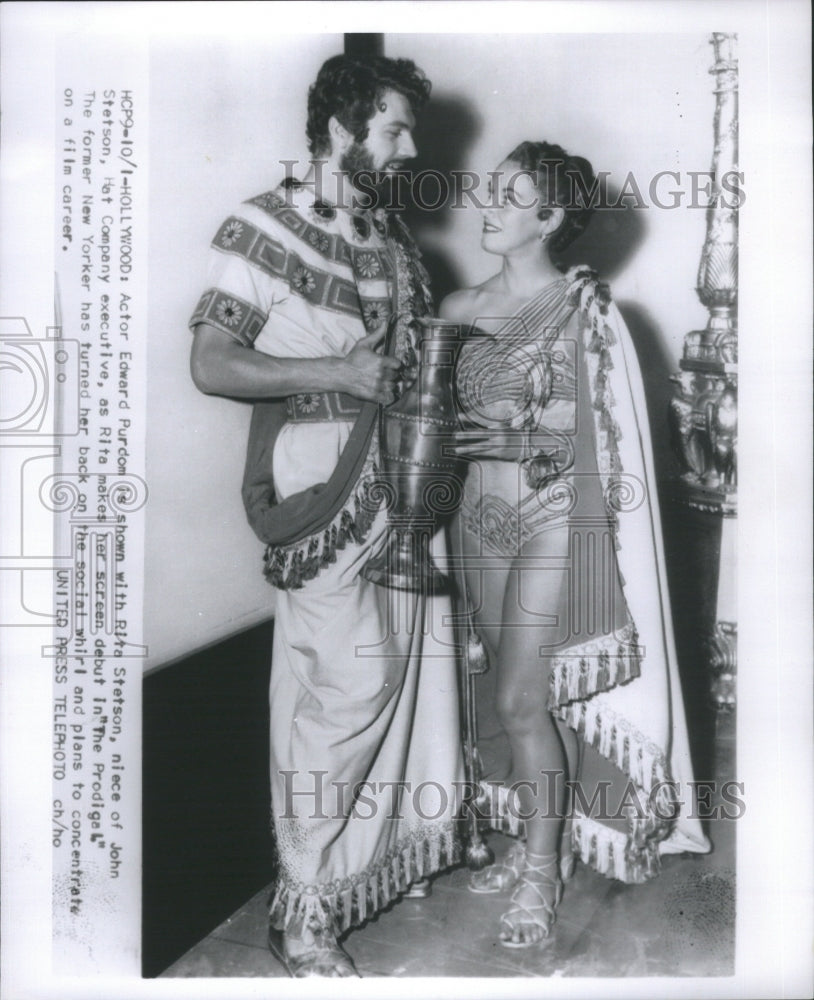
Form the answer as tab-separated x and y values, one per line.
539	876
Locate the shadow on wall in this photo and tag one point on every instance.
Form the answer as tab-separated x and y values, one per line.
444	136
612	239
610	244
657	365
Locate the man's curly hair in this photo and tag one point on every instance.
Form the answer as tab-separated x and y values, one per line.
350	89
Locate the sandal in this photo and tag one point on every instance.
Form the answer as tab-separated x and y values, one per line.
540	874
419	890
326	958
503	874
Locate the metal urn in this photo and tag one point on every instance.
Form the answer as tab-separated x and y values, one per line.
420	476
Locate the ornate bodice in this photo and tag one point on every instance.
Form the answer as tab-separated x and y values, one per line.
518	382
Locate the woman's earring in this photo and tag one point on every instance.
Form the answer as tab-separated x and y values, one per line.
544	238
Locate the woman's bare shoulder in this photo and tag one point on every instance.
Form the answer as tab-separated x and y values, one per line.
463	306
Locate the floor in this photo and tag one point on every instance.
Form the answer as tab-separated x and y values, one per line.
680	924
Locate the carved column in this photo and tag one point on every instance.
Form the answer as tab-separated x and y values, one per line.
704	410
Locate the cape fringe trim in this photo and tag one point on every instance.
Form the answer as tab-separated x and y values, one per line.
610	853
595	666
288	567
609	733
649	799
344	903
598	337
631	858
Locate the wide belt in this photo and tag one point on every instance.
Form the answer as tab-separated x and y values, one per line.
313	407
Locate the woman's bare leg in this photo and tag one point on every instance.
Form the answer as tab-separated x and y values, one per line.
533	626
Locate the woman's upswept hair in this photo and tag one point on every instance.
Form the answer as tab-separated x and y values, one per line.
349	89
562	180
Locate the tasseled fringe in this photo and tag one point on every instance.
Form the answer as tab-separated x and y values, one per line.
492	806
345	903
608	424
599	337
289	567
594	666
617	741
477	659
630	857
610	852
649	800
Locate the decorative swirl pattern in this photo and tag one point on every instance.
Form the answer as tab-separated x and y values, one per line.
61	493
558	496
126	494
376	490
443	496
625	492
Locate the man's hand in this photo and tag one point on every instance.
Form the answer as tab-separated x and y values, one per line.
369	375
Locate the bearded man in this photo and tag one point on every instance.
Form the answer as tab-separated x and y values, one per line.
365	752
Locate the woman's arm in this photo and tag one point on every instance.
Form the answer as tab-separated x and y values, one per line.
221	366
515	445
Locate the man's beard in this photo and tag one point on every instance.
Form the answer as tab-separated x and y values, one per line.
372	187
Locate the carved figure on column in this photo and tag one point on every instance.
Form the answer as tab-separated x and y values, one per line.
722	430
683	436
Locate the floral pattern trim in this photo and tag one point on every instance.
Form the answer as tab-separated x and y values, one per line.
374	314
367	263
321	288
230	314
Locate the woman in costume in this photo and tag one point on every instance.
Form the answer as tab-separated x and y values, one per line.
560	535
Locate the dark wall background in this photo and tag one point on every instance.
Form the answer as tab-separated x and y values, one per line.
205	802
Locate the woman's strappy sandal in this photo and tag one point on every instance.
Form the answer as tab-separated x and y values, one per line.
541	872
503	874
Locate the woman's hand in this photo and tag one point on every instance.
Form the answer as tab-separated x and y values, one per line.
554	450
504	444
